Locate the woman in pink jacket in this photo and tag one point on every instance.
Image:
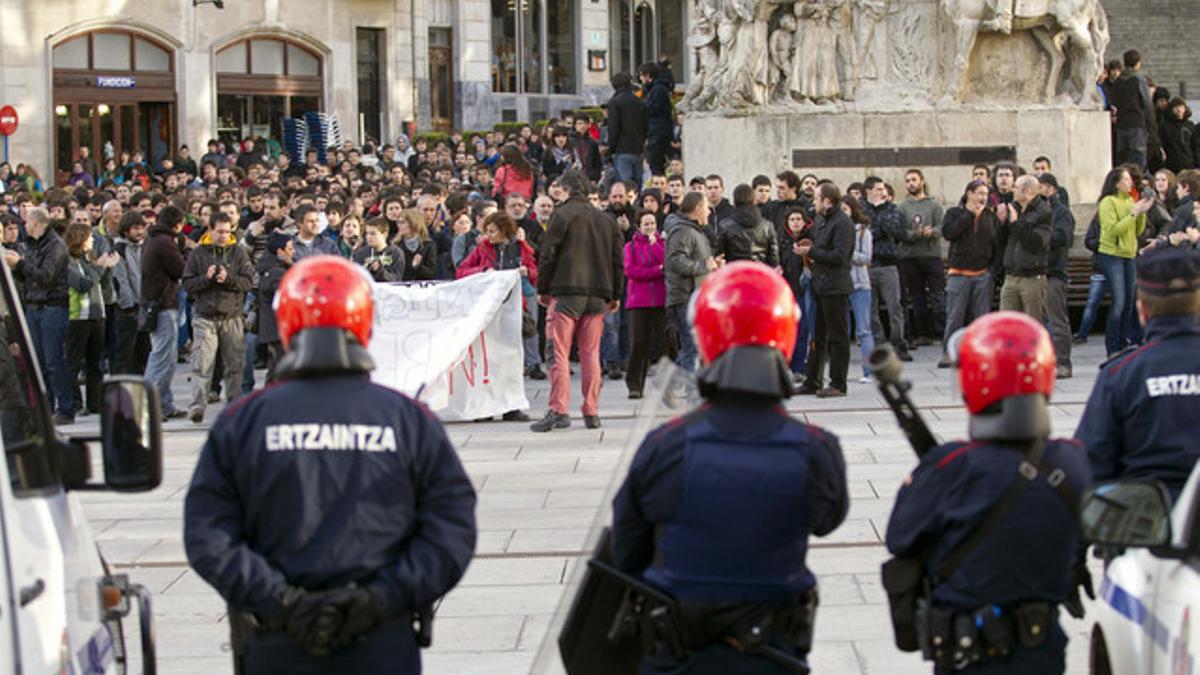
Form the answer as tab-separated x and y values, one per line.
645	300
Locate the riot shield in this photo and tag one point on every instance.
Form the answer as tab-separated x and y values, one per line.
582	638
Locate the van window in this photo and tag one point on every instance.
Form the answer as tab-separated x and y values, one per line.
24	416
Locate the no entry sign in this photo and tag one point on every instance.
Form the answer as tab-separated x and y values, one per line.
8	120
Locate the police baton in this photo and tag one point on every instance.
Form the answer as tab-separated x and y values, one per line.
886	368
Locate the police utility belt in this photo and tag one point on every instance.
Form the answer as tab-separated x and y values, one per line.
660	623
955	639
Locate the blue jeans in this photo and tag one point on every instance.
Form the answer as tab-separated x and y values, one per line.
533	355
614	344
860	307
251	348
1097	289
185	318
164	350
48	330
1120	274
686	359
629	168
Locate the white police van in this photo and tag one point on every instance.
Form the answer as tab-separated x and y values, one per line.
1145	605
60	607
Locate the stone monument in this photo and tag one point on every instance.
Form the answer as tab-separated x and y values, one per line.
838	86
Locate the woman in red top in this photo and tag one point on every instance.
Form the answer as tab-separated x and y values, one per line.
501	249
514	175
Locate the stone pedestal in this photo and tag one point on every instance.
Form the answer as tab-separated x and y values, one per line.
848	146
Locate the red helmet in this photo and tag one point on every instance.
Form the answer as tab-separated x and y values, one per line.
1004	354
744	303
324	291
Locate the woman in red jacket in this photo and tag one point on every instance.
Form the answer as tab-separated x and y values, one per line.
514	175
501	249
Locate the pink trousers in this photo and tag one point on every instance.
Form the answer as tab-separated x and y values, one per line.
561	330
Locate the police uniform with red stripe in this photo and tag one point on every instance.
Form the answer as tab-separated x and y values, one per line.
718	505
326	509
1140	420
1007	367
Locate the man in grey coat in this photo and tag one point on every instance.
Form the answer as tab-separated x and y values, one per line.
689	259
133	346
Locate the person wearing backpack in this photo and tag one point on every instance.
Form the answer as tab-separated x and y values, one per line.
1062	236
1098	286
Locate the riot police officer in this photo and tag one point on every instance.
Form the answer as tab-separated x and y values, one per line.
718	505
1140	420
993	520
327	509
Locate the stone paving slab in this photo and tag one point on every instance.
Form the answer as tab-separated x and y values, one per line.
539	497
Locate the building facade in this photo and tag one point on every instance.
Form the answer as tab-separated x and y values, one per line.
121	76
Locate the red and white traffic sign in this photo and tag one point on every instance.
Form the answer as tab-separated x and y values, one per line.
8	120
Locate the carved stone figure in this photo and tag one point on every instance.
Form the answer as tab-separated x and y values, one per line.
749	69
703	38
1072	31
814	75
781	50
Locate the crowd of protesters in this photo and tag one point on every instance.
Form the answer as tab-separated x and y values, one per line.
135	268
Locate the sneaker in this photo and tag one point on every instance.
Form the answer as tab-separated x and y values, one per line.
831	392
616	373
807	390
591	421
62	420
904	356
536	373
174	414
1063	372
214	397
925	342
866	379
635	394
1079	340
552	420
197	415
944	363
515	416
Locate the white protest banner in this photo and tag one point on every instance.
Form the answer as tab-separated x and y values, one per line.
460	340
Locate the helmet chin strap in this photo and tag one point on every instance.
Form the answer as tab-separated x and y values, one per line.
320	352
751	369
1016	418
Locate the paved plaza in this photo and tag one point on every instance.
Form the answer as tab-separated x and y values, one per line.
539	496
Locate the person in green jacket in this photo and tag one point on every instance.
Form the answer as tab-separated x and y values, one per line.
1122	220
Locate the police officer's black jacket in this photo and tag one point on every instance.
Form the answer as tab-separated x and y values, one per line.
1140	420
319	482
1027	557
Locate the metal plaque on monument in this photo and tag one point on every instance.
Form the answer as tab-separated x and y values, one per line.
850	88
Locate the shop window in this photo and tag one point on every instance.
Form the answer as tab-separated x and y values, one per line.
260	82
645	32
533	46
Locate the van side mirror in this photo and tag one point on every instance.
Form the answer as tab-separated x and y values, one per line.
131	434
1128	513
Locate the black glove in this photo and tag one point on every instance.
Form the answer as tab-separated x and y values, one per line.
311	622
1080	578
359	610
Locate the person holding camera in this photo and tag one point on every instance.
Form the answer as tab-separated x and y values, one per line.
217	277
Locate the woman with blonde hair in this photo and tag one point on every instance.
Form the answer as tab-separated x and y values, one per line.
412	238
